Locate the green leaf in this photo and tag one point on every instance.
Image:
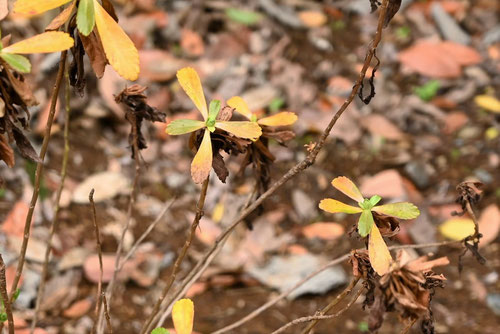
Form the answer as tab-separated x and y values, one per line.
245	17
85	18
213	110
276	104
3	317
374	200
427	91
402	210
18	62
182	126
160	330
16	294
365	223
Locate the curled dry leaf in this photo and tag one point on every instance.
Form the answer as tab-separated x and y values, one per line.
6	152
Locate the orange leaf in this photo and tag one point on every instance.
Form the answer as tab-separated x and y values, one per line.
280	119
380	257
202	162
51	41
119	49
240	105
347	187
191	83
249	130
334	206
183	316
32	7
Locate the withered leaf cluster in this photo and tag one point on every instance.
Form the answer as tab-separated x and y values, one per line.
15	98
137	110
407	289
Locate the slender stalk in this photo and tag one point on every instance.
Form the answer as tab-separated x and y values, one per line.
300	167
39	172
106	313
54	224
319	317
180	258
5	297
99	253
334	302
336	261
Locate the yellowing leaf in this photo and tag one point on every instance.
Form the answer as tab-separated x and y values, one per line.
248	130
119	49
202	162
334	206
33	7
182	126
240	105
403	210
183	316
281	119
380	257
190	82
51	41
346	186
488	102
62	18
457	228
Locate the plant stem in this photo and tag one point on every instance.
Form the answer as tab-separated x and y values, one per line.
5	297
39	172
54	224
180	258
319	317
334	302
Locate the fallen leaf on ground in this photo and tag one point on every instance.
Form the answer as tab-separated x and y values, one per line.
14	223
92	270
106	185
78	309
489	224
192	43
488	102
380	126
457	228
312	18
387	184
325	231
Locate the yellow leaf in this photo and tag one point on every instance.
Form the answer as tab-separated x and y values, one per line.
248	130
457	228
488	102
183	316
334	206
346	186
380	257
202	162
281	119
312	18
240	105
51	41
62	18
34	7
218	212
119	49
190	82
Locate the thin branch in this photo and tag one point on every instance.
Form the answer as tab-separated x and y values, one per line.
307	162
131	204
319	317
332	304
145	234
5	296
39	172
180	258
54	224
106	313
99	298
336	261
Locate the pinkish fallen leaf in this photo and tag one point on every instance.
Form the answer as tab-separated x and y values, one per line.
324	231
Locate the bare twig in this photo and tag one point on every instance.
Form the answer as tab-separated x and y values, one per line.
99	293
334	302
319	317
39	172
336	261
5	296
307	162
54	224
180	258
145	234
106	313
131	204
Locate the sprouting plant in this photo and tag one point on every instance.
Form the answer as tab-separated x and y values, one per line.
202	162
380	257
182	316
110	44
53	41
